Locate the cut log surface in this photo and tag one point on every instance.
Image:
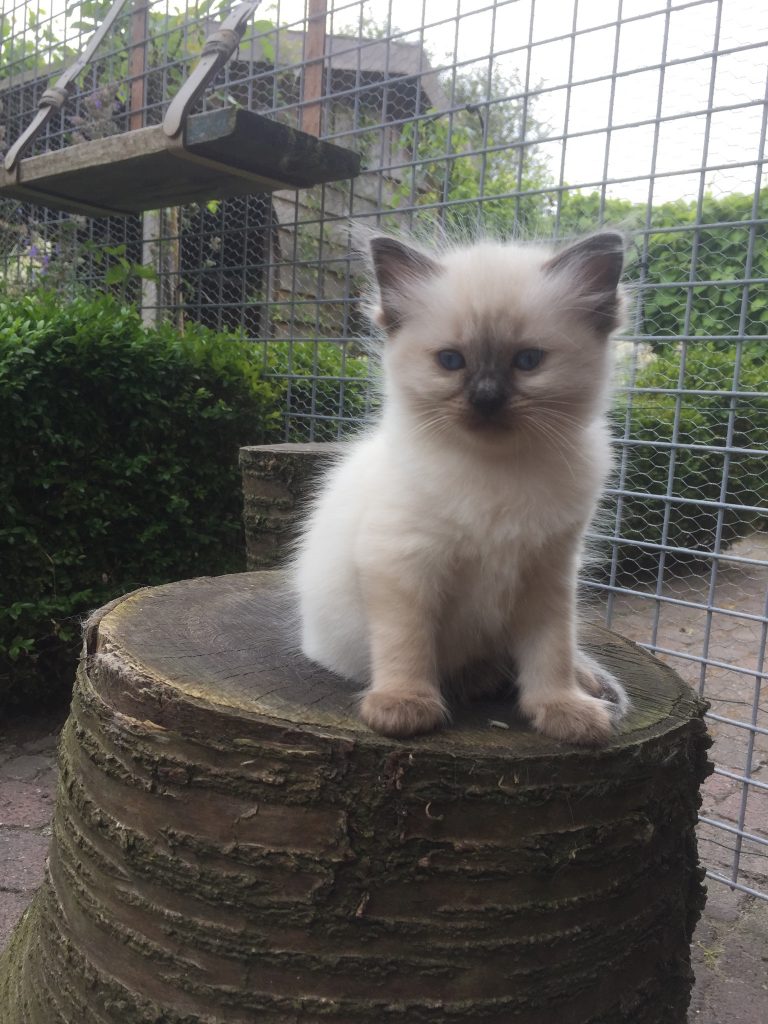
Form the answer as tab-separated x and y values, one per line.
232	846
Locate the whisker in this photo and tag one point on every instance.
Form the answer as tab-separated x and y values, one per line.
437	424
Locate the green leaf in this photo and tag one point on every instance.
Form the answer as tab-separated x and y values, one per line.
127	473
115	275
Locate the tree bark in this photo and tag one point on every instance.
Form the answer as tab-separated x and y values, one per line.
278	480
231	845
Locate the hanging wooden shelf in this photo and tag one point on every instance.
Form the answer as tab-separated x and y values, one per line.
239	153
213	155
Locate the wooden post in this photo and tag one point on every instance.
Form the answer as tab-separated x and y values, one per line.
137	77
314	67
137	64
232	844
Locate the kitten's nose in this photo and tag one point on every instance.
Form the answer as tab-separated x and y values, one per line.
487	396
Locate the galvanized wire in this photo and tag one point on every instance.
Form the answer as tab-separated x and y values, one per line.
473	116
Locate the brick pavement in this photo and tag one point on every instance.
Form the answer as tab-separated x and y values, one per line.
733	643
27	794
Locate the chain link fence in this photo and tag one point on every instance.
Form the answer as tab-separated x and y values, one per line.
520	118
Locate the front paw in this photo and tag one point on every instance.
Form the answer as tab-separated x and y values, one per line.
403	714
575	717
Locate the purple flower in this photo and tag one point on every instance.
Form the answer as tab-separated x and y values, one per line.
34	251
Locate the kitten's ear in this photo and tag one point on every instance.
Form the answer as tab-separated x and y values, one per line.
593	267
398	268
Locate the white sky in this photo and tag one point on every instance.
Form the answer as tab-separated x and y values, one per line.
470	30
739	78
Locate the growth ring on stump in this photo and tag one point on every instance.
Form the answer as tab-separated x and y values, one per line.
231	845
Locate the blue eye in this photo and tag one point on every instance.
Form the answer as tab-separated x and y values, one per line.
528	358
450	359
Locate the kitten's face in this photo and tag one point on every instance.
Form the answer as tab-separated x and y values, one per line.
498	342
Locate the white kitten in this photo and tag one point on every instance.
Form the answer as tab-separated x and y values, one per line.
444	547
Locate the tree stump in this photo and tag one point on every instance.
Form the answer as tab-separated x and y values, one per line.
278	481
231	845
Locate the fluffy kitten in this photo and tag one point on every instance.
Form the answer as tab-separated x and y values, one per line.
444	546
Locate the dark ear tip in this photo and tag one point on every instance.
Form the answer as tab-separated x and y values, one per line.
388	252
394	259
383	245
598	260
609	241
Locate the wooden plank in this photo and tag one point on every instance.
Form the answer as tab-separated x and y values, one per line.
253	142
138	171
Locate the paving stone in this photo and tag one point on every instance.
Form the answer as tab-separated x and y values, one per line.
730	960
729	806
722	905
22	857
12	906
27	804
42	744
7	750
26	766
49	781
718	788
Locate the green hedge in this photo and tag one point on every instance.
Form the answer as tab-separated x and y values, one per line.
118	469
697	474
682	233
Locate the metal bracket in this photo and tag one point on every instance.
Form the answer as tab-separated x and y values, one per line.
217	50
53	98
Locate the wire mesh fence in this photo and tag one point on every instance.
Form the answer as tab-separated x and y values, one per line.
516	117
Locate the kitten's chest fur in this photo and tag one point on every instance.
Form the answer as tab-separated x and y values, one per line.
484	585
487	525
488	507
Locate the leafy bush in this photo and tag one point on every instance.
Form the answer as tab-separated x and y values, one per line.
725	241
118	468
696	473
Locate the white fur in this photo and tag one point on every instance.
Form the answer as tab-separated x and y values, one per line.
440	515
439	525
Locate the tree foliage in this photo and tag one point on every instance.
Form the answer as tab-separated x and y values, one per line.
696	440
474	168
683	413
